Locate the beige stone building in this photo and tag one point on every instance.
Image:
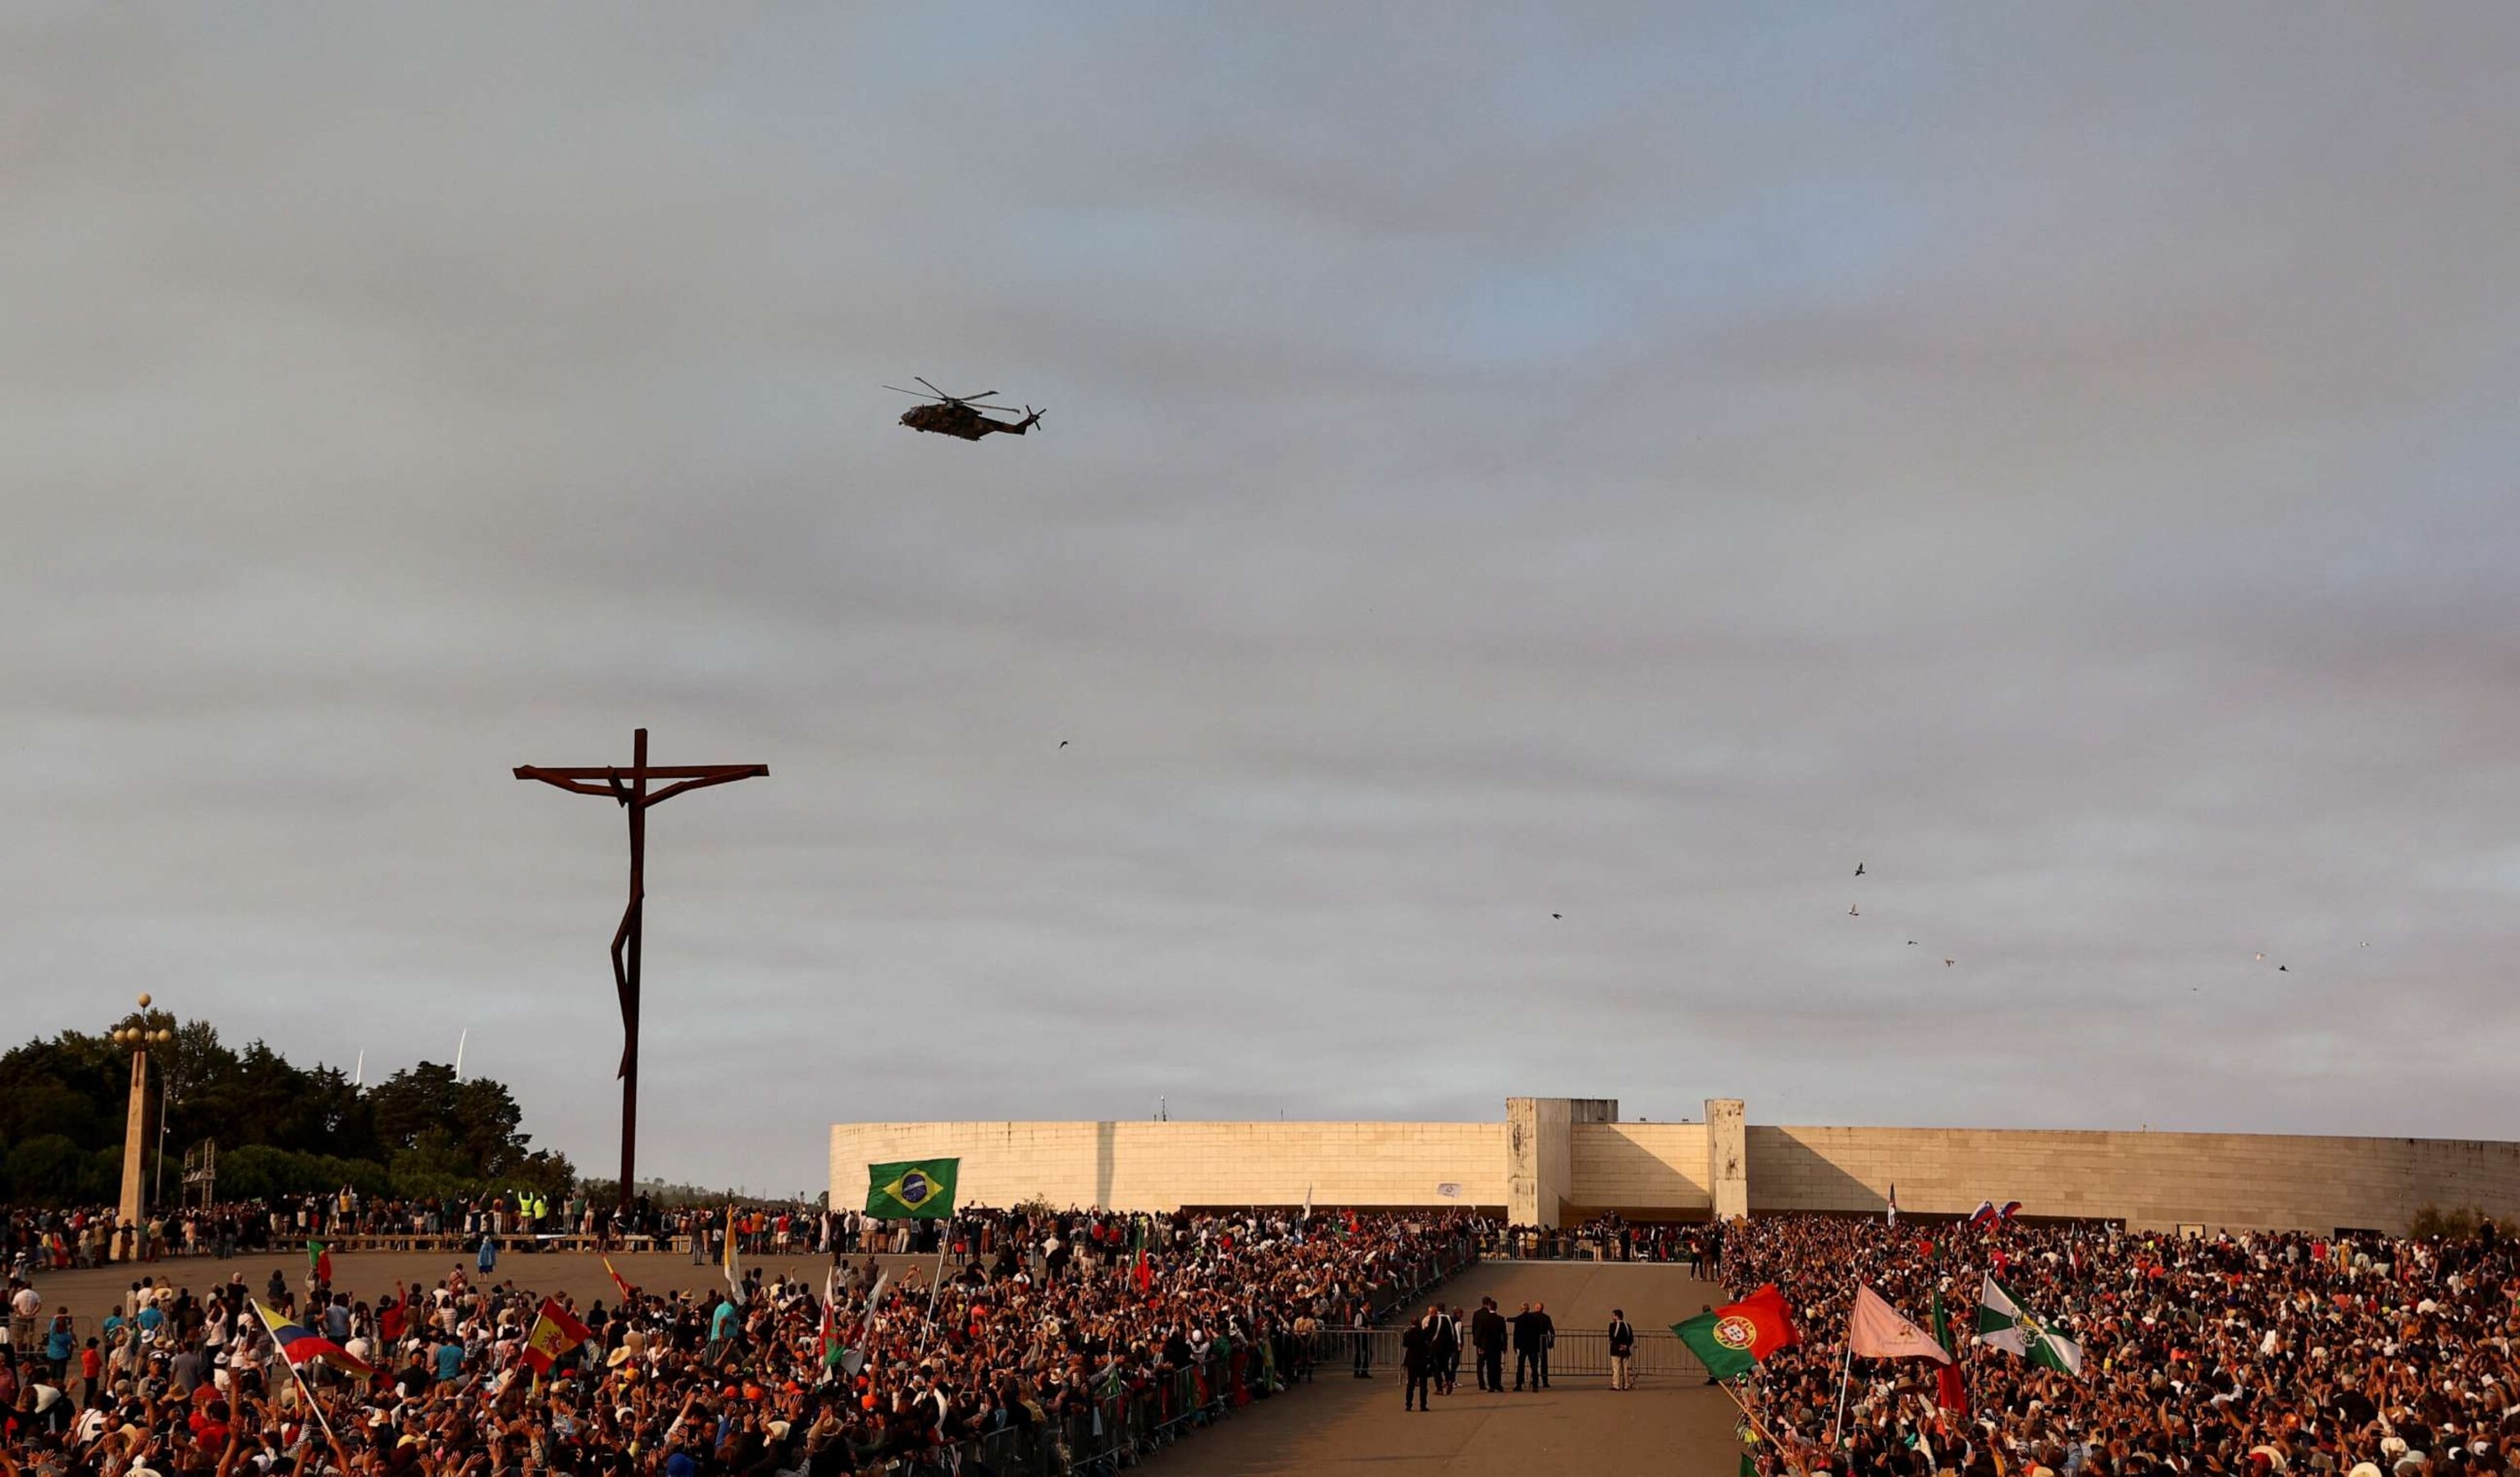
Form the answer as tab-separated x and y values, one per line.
1555	1161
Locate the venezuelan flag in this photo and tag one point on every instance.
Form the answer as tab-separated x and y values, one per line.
302	1345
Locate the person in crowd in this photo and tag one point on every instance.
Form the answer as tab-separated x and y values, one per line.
1623	1351
1487	1338
1417	1359
1448	1351
1526	1347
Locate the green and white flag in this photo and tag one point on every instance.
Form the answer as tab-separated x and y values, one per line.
2002	1321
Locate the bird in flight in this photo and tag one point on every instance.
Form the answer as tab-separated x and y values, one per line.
1911	944
1558	915
1062	743
1859	869
1948	963
2284	969
1851	913
2261	956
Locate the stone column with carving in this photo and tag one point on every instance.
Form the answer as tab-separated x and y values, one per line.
1727	1158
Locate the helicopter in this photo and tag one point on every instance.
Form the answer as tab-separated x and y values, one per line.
959	414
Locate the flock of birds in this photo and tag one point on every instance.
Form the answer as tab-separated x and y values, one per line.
1856	911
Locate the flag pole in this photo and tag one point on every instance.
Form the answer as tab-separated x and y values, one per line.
937	1284
1761	1430
1845	1368
295	1374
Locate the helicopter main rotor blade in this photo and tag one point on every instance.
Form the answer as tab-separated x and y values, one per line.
924	380
898	389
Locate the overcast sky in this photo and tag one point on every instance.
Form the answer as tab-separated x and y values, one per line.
1583	460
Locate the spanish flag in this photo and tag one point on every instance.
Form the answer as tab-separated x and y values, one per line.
555	1334
304	1346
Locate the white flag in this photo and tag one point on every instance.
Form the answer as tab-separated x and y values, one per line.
1876	1330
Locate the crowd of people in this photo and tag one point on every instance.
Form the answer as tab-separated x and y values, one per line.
1058	1334
1047	1335
34	1240
2248	1356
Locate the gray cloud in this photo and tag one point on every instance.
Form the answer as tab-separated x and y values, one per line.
1602	461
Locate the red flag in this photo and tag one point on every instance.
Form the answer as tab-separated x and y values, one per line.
629	1293
1142	1274
555	1334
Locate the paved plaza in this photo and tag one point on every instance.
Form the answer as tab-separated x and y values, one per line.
1343	1424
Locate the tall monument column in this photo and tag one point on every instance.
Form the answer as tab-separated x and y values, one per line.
132	1214
1728	1159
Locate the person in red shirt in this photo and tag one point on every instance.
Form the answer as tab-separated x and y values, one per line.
90	1371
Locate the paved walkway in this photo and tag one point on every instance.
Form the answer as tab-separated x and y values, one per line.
1344	1424
91	1292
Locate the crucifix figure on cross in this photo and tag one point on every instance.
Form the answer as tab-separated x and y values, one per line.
628	787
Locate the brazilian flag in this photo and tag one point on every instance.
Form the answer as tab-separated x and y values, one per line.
914	1189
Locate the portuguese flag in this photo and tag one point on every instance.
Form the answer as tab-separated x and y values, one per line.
319	1262
1952	1390
913	1189
1738	1336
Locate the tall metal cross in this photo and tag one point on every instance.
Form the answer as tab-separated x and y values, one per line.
629	789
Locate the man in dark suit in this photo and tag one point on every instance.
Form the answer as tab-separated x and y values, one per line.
1417	1359
1623	1348
1547	1340
1487	1337
1446	1350
1526	1346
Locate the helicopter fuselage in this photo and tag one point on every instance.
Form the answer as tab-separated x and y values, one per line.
950	419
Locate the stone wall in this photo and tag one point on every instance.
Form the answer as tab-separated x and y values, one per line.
1557	1160
2159	1181
1138	1165
1650	1169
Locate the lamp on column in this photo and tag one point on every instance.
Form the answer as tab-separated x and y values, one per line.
137	1035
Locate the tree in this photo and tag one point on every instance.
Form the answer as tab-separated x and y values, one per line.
297	1129
55	1169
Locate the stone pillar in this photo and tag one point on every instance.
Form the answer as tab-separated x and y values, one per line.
135	1141
1536	1147
1727	1158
